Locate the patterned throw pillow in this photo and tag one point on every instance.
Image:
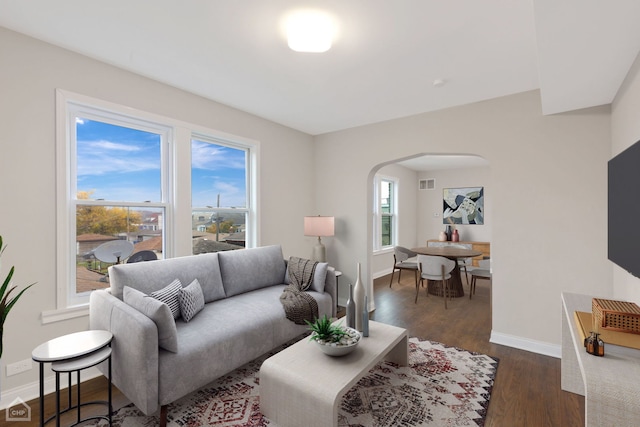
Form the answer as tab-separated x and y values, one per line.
169	296
191	300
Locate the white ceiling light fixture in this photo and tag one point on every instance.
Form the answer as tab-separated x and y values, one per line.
310	31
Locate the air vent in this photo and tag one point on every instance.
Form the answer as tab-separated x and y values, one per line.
427	184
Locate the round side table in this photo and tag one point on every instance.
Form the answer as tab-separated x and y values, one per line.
73	353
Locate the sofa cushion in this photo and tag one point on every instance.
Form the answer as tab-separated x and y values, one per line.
169	295
319	277
249	269
191	300
157	311
153	275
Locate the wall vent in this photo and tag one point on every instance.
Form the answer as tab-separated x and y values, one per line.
427	184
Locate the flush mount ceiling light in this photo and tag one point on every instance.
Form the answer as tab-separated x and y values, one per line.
309	31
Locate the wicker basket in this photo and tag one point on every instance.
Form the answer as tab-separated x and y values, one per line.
616	315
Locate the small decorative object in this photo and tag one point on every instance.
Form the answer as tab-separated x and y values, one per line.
595	344
334	340
443	236
7	303
351	309
365	318
449	232
455	237
358	295
621	316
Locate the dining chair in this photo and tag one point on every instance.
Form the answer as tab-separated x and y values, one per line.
401	256
483	273
437	269
463	262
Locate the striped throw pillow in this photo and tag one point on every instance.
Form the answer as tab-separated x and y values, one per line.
169	295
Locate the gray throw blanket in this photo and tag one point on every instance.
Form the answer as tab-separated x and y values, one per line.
298	304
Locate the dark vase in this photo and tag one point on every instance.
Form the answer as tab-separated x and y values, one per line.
449	232
351	309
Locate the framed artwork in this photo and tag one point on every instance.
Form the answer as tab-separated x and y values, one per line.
463	205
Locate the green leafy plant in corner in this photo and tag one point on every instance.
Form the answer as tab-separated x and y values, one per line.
7	303
324	330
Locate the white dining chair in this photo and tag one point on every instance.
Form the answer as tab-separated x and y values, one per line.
403	259
463	263
482	273
437	269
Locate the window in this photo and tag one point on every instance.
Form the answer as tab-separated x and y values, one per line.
125	178
219	198
385	213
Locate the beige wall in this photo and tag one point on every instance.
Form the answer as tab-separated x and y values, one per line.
625	131
30	71
548	178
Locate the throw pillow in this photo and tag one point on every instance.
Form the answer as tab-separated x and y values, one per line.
169	295
319	277
157	311
191	300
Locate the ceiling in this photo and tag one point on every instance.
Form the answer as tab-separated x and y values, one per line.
383	62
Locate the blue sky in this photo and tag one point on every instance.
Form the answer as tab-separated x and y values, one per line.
123	164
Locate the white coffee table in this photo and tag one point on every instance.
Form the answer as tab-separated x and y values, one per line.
302	386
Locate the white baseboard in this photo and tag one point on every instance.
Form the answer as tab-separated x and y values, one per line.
381	273
32	390
540	347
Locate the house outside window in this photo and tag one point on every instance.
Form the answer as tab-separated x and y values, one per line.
385	213
124	180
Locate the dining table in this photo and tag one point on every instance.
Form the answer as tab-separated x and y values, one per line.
451	252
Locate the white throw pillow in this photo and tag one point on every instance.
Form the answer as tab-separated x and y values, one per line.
157	311
319	277
169	295
191	300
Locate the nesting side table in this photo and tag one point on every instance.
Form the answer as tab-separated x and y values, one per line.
73	353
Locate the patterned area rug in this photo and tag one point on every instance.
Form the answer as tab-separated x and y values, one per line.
442	386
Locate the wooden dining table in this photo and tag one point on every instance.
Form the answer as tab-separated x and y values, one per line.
451	252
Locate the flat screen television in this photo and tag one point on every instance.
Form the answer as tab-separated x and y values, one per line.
624	209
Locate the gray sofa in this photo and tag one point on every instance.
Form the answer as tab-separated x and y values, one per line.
242	319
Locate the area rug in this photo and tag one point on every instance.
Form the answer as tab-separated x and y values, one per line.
442	386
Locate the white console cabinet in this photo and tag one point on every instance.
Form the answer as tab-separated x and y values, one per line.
610	384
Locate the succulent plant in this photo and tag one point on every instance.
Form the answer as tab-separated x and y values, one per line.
324	330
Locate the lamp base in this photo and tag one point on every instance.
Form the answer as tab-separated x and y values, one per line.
319	253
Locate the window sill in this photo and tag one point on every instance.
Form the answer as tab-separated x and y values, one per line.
53	316
383	251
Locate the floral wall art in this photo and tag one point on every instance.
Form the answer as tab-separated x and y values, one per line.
463	205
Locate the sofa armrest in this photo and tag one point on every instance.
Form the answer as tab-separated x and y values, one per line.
135	348
331	287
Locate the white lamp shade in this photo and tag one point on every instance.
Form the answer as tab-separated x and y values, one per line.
309	31
320	226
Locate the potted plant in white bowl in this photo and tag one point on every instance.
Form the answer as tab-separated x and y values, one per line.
334	340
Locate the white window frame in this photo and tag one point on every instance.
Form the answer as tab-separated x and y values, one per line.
377	213
176	186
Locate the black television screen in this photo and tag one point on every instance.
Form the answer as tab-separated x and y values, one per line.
624	209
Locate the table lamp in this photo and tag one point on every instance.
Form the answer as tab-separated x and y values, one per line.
320	226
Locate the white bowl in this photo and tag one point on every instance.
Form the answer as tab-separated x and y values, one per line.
335	349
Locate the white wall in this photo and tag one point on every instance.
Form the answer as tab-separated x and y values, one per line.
625	131
548	180
30	71
430	203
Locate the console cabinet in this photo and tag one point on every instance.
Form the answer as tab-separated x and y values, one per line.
484	247
610	384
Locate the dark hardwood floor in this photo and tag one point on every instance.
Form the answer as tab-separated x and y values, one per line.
527	386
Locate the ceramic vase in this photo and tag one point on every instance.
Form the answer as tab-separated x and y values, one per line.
365	318
455	237
448	231
443	236
358	296
351	309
